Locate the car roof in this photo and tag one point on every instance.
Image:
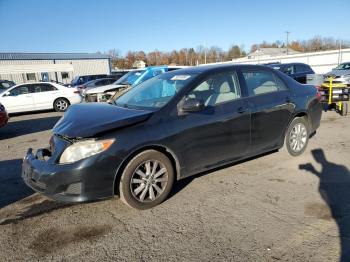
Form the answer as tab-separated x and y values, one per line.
34	83
99	79
214	68
292	63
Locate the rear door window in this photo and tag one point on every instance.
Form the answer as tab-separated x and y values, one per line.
300	68
38	88
261	82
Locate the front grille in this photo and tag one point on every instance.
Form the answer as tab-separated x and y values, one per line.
91	98
334	76
334	82
38	184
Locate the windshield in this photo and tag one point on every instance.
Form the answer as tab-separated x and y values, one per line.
155	92
130	78
345	66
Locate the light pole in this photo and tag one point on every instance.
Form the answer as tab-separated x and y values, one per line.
205	52
287	33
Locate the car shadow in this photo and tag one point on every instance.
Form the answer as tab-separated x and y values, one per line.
28	126
334	188
12	187
36	209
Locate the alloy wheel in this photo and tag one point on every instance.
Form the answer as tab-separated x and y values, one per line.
61	105
149	181
298	137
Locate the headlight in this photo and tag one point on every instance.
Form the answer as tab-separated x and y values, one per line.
84	149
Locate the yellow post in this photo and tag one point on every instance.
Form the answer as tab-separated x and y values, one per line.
330	95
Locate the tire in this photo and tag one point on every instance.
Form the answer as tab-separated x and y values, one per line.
297	137
61	104
148	175
344	110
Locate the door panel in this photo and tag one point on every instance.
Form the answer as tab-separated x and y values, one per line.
218	134
44	95
270	116
271	108
19	100
214	136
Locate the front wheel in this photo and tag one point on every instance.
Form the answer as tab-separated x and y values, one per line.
146	180
61	104
297	136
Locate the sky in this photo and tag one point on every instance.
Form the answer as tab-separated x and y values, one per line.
101	25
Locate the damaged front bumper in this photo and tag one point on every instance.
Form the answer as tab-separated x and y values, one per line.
85	180
98	97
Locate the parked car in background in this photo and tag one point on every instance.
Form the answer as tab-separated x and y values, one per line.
297	71
3	116
341	74
39	96
172	126
119	74
5	84
133	78
80	80
95	83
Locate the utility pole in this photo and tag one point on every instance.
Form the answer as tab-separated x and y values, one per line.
339	54
287	33
205	52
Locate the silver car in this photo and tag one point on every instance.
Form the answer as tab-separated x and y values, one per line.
341	74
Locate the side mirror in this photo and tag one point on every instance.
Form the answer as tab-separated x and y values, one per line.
7	94
192	105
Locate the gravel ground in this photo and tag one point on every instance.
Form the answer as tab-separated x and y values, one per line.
274	207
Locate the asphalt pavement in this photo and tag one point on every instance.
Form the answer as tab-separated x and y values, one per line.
271	208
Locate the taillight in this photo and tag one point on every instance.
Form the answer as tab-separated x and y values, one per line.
318	94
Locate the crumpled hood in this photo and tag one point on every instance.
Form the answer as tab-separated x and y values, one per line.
87	120
338	72
102	89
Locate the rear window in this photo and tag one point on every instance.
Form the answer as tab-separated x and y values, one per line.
5	85
261	82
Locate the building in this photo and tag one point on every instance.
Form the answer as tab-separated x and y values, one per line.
263	53
139	64
60	67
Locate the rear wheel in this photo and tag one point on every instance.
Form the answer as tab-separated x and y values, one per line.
61	104
344	109
297	136
146	180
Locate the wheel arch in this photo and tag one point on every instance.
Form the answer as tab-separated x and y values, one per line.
161	148
302	113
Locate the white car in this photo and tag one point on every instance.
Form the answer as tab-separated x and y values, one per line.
131	79
39	96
